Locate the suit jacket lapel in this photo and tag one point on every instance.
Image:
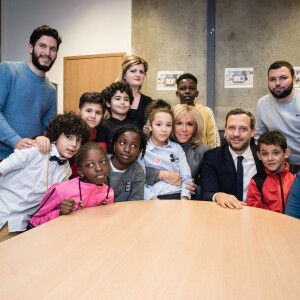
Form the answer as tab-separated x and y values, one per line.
229	164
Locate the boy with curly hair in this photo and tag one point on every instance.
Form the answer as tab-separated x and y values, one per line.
118	98
27	174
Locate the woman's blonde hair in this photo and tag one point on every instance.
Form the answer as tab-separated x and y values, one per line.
181	110
130	61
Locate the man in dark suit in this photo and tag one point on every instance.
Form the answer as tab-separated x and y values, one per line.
219	168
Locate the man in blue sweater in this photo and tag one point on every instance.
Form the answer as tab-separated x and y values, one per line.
27	97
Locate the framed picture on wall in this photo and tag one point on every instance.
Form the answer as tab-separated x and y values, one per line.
166	80
238	78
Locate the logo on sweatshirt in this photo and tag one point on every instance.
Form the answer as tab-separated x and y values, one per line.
128	186
157	161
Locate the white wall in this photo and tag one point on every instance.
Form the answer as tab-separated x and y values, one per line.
86	27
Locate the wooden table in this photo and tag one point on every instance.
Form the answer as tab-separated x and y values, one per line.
155	250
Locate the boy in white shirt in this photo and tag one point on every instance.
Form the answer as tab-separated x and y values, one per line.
26	174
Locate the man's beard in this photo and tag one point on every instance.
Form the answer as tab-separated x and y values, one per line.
286	92
244	146
36	63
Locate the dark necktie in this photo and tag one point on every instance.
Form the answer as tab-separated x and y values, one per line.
58	160
239	178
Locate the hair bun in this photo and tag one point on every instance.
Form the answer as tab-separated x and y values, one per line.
160	103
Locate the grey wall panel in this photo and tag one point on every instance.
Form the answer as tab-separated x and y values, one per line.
171	35
253	34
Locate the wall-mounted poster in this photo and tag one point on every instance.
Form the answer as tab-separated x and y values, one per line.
166	80
238	78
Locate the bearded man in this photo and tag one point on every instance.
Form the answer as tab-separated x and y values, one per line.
27	97
280	110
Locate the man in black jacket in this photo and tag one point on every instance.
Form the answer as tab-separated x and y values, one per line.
221	180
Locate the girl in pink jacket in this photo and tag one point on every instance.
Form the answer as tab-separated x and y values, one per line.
87	190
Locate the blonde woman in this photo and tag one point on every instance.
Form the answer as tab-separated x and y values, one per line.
134	70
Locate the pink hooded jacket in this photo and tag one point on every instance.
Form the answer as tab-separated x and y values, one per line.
91	195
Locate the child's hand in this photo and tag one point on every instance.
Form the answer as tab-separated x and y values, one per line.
67	206
43	144
146	128
170	177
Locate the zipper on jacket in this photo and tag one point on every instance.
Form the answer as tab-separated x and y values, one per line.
281	191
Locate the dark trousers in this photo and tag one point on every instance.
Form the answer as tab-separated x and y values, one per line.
175	196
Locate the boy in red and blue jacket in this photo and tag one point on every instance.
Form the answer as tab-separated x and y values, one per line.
269	189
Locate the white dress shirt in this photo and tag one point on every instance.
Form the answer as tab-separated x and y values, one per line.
26	176
249	167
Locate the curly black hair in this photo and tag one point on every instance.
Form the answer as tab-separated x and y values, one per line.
111	90
129	127
69	124
45	30
79	157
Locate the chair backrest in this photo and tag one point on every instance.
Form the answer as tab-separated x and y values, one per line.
222	137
